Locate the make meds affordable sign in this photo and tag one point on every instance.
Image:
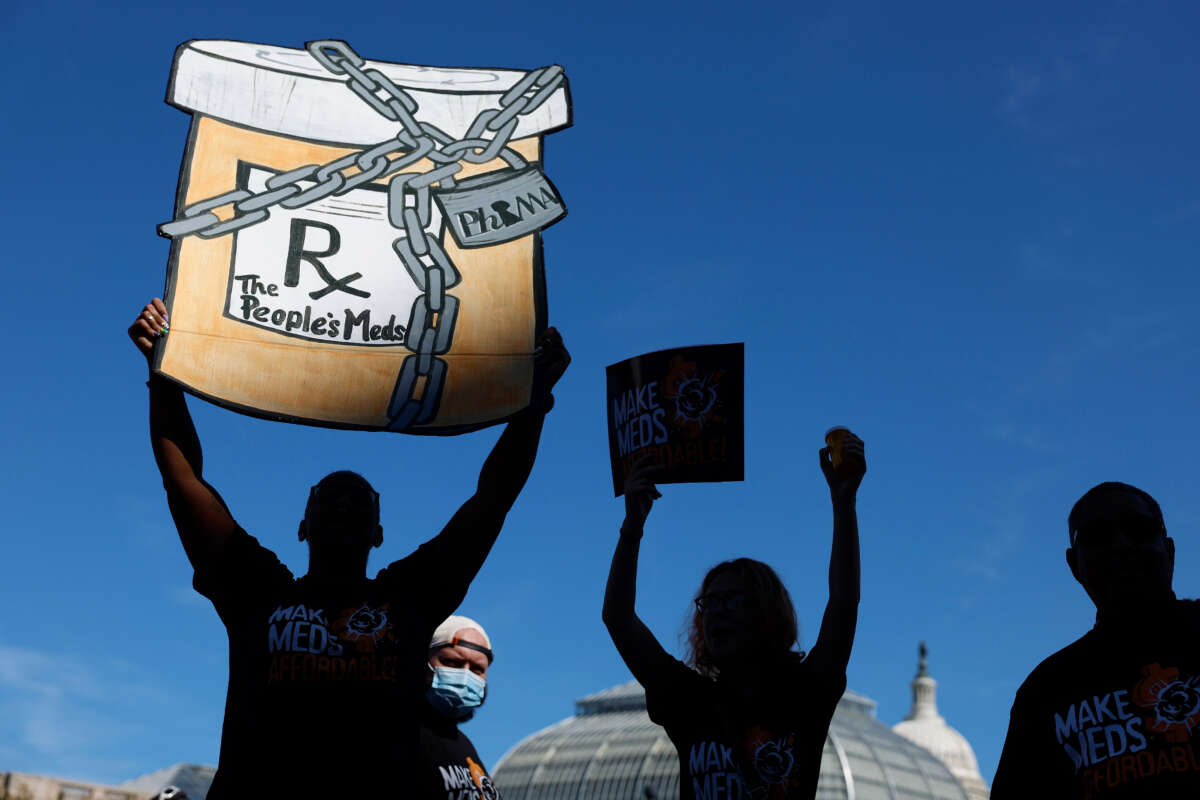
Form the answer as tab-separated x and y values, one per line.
357	244
681	409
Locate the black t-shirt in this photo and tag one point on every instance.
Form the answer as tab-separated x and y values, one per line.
325	681
448	768
732	750
1113	715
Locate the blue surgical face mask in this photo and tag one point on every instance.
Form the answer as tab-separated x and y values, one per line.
455	692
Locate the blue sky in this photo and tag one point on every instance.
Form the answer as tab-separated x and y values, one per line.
967	231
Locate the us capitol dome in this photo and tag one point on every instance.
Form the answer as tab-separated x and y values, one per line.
926	727
610	750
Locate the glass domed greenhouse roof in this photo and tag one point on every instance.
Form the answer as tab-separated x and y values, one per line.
610	749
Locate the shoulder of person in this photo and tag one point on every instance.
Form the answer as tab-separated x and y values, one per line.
804	674
241	538
802	665
679	671
1062	665
242	578
470	746
1190	608
674	678
406	567
241	554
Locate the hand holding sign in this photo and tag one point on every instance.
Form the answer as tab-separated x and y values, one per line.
640	493
550	361
149	325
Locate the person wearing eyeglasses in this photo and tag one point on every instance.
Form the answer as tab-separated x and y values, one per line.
1116	713
448	768
748	714
327	672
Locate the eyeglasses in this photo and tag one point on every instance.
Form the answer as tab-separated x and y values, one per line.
721	601
1137	529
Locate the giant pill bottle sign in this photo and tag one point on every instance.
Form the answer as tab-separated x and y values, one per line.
682	410
357	244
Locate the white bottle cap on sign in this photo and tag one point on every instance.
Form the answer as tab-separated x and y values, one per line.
282	90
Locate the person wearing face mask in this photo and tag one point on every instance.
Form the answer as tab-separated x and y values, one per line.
749	715
448	768
1116	713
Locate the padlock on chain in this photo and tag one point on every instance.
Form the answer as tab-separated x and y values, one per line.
500	206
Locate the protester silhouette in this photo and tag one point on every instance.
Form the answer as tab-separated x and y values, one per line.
1116	713
750	715
449	768
327	672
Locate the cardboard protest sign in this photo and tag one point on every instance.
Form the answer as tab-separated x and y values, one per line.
683	407
356	244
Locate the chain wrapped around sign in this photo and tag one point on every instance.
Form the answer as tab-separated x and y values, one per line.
481	211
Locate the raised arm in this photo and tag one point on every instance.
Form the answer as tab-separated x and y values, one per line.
201	517
641	652
831	652
471	532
